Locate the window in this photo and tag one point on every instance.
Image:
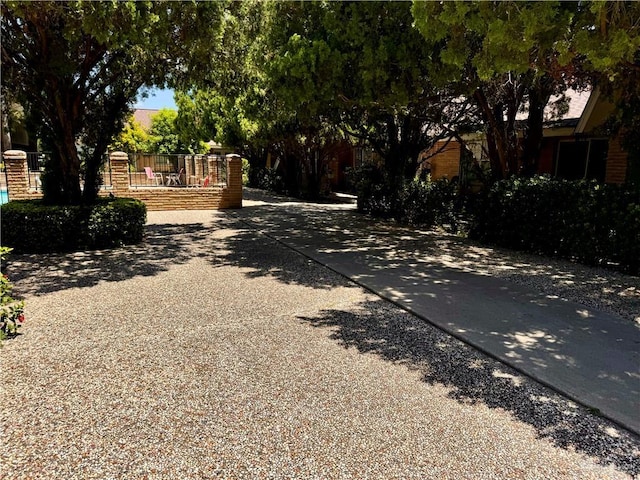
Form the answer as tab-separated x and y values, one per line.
578	159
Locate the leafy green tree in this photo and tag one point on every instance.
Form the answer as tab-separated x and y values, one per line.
196	120
607	39
315	72
163	135
512	56
132	138
77	66
362	67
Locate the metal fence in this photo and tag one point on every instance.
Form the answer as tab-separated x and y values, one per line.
35	168
176	170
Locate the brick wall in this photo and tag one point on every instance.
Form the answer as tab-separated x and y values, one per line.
616	162
445	163
15	162
155	198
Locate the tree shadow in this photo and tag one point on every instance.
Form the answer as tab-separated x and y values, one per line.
164	244
227	241
396	336
340	228
260	255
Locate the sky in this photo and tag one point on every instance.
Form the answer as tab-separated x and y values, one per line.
158	99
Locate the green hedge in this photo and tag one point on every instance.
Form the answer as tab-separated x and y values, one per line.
30	226
419	203
581	220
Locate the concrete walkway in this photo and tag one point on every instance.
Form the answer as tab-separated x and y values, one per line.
589	356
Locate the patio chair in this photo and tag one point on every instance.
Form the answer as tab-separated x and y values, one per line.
175	178
151	175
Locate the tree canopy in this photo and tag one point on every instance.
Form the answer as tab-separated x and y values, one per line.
512	56
292	77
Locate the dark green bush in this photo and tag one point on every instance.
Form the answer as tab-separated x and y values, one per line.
377	194
581	220
429	204
31	226
414	202
267	179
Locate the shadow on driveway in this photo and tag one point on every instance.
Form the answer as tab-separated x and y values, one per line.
228	242
398	337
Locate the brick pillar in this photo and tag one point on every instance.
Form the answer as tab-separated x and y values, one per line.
214	168
188	169
234	180
15	161
119	173
199	167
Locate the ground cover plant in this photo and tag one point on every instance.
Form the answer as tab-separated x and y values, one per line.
11	310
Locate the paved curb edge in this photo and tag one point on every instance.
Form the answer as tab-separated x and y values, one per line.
590	408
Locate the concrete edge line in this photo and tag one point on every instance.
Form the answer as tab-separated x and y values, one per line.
591	409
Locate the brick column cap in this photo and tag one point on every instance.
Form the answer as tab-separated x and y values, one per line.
231	156
14	155
119	156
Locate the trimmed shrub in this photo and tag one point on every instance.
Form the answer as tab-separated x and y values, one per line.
419	203
31	226
267	179
430	204
580	220
377	194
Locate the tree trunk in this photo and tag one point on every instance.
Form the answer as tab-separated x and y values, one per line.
502	137
539	96
63	187
6	133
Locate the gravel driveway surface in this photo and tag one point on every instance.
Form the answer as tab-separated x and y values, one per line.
211	351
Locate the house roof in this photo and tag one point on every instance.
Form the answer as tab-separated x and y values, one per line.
143	116
577	101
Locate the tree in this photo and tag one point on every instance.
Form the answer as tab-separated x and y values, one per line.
509	57
78	66
163	135
361	66
196	121
513	56
319	71
607	40
133	138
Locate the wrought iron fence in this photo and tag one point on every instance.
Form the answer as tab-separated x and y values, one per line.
35	168
105	172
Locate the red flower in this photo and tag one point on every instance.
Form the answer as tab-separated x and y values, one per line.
21	318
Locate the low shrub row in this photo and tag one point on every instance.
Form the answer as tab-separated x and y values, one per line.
31	226
582	220
419	203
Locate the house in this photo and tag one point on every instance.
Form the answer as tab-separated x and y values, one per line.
143	117
573	145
